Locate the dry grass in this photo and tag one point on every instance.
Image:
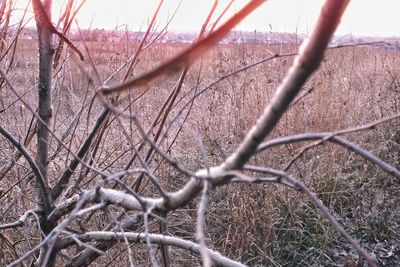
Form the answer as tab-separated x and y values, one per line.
258	224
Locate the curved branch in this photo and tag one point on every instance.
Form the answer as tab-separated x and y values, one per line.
219	259
20	221
334	139
39	177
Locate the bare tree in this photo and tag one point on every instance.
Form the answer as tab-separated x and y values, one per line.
89	202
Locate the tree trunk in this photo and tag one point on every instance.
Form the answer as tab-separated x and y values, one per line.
42	12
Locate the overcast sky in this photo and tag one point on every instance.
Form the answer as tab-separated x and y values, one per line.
363	17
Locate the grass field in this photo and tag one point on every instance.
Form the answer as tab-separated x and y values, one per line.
259	224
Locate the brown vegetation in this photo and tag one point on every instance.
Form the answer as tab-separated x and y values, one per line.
258	224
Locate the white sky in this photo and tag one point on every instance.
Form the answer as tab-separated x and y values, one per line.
363	17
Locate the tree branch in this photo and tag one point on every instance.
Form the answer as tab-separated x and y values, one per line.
334	139
308	60
160	239
43	186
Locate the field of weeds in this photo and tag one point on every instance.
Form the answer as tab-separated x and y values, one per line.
260	224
